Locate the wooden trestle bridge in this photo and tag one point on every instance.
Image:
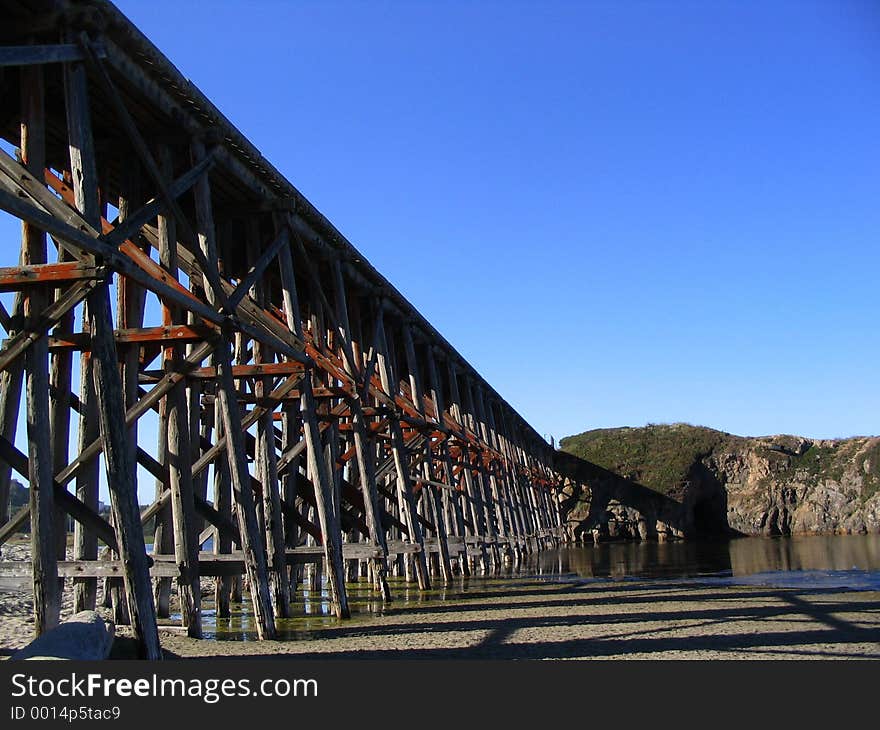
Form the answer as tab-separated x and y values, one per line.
307	413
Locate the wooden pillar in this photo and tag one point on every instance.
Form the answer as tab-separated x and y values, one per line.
474	501
508	482
407	506
10	402
163	535
365	465
226	584
317	468
291	433
83	176
177	444
47	599
266	456
129	314
108	386
446	460
85	542
432	498
252	546
502	525
60	382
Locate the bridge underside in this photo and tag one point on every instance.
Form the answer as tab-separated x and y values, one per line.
180	312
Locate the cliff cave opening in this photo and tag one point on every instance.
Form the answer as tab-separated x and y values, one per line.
710	517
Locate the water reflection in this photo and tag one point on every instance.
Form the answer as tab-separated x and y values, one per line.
851	561
689	559
835	552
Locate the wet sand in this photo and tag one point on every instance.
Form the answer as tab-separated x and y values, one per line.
520	618
530	619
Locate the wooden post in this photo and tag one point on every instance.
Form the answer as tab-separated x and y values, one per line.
501	527
129	314
432	497
47	600
445	458
177	444
60	381
267	459
252	546
490	508
108	386
474	500
10	402
407	506
359	434
291	432
506	486
82	167
317	467
223	585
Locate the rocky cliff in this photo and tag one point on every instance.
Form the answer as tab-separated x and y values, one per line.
715	483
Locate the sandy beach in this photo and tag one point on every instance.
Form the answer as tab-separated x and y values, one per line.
529	617
608	620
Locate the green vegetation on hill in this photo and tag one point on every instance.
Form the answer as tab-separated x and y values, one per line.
662	456
657	456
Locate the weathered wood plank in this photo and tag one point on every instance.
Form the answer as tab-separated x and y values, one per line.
317	468
47	599
108	387
255	556
177	444
266	456
406	502
17	278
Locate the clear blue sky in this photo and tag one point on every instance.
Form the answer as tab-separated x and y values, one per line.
619	212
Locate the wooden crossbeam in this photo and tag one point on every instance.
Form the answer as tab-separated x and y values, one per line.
17	278
34	55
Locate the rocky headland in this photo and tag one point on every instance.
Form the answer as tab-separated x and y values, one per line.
682	480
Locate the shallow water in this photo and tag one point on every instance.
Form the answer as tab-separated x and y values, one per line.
735	558
810	562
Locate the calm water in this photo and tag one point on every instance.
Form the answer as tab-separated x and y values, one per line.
847	560
851	562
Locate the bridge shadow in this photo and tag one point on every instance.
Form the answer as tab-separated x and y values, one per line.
803	623
703	514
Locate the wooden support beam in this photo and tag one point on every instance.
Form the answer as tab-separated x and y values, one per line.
406	501
209	271
432	497
10	401
177	445
35	55
266	456
80	512
68	226
108	388
332	539
255	556
41	322
370	496
256	370
17	278
47	598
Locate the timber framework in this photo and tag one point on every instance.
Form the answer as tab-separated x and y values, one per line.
307	414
